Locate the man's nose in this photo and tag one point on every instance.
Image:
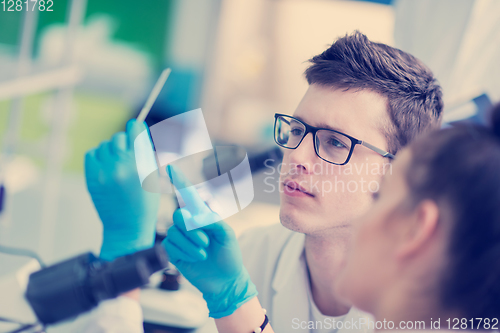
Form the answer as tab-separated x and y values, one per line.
304	156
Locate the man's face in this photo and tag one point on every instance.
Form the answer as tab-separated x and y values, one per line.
317	195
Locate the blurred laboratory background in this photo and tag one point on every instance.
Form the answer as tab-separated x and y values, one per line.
73	76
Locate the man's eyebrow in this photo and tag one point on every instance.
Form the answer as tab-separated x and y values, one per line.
322	125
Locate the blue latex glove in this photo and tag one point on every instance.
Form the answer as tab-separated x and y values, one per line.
128	213
209	257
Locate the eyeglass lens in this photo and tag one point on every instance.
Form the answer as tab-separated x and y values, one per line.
331	146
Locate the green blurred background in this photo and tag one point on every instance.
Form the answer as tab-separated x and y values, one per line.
141	24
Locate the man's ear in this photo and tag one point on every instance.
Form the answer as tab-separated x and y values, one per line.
420	227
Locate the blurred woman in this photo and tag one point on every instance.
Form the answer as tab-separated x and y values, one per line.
429	249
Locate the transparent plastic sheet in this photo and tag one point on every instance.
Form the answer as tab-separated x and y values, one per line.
221	174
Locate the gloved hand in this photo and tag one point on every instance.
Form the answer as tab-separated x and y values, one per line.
128	213
209	257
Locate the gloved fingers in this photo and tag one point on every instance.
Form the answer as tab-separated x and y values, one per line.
91	163
221	232
133	130
194	203
198	237
177	238
118	143
174	253
180	217
103	153
211	226
203	219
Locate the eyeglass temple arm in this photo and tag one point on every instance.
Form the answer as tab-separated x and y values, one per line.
378	150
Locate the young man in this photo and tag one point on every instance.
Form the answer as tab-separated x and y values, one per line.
368	91
365	101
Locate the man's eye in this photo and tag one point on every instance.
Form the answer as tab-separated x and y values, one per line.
296	131
336	143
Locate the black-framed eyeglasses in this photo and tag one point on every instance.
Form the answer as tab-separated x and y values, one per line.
331	146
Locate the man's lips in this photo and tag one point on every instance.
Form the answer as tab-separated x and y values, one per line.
291	187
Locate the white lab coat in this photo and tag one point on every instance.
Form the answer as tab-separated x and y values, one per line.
274	260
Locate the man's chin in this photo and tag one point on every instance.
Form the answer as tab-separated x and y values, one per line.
293	223
307	223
